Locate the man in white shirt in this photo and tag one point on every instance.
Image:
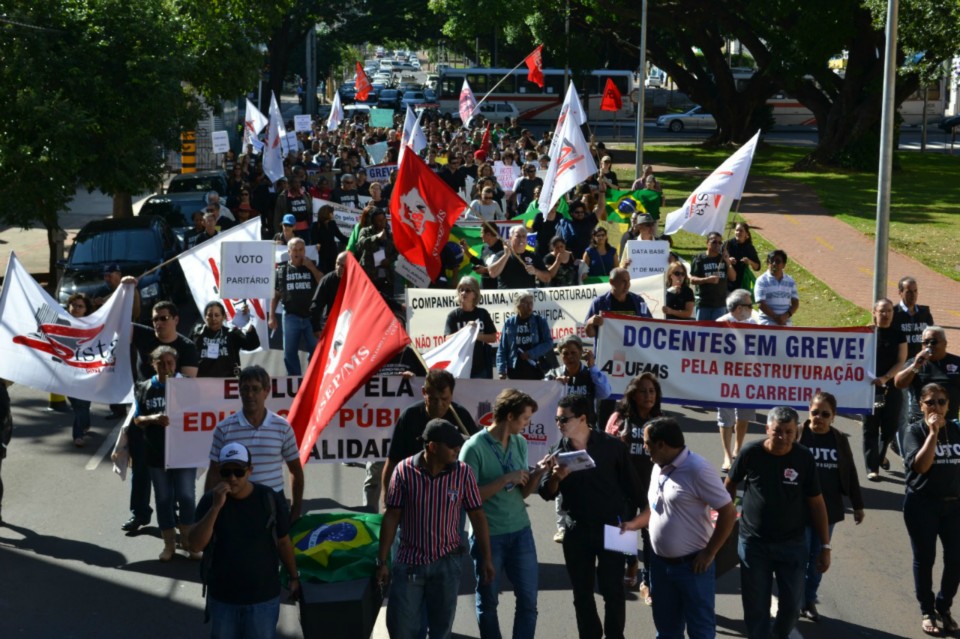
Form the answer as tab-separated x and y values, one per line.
776	292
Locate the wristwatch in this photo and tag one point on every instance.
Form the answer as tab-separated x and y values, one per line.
826	547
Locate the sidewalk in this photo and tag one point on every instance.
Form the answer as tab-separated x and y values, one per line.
790	216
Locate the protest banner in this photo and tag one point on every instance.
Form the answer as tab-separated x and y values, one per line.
380	172
506	175
381	118
740	365
363	427
565	307
345	216
647	257
289	143
221	143
377	151
302	123
247	269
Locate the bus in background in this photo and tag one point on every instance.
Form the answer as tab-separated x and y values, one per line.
531	101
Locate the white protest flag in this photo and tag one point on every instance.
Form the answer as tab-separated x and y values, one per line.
570	164
412	135
44	347
336	113
201	268
253	123
272	147
707	207
573	108
456	354
468	103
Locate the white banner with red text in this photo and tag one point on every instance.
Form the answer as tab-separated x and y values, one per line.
740	365
565	307
364	425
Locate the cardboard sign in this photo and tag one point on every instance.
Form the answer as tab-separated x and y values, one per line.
413	273
221	143
380	173
289	143
506	175
302	123
647	257
381	118
246	269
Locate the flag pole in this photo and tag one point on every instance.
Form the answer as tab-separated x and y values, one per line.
463	429
505	76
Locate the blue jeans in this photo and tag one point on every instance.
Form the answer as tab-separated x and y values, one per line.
243	621
927	519
435	585
81	416
139	476
682	598
294	327
516	554
812	576
174	487
709	313
760	563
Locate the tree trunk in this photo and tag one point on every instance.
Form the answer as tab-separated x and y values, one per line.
122	206
56	237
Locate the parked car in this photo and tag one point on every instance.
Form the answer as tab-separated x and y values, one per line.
137	245
348	93
176	209
200	182
389	99
413	98
947	124
695	118
496	112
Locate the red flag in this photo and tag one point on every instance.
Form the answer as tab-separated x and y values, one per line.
485	141
535	65
612	100
423	209
361	335
362	85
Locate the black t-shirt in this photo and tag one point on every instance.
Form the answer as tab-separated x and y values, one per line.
912	326
711	295
775	491
827	456
739	251
514	274
624	307
410	426
946	372
566	275
295	285
639	456
246	561
888	345
151	400
943	478
145	341
457	319
678	301
219	351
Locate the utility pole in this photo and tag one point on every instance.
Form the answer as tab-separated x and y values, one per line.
886	154
642	89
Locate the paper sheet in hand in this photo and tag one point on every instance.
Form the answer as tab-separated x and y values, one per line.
625	543
576	460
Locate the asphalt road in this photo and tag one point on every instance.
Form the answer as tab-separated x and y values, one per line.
68	570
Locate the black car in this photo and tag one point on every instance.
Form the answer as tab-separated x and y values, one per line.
176	209
389	99
200	182
348	93
137	245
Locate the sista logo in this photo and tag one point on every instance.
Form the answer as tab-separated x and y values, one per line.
74	346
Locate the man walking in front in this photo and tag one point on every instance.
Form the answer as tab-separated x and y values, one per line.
683	488
781	495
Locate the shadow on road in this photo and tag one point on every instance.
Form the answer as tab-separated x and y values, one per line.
60	547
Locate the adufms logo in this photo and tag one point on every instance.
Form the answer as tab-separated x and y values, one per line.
77	347
620	366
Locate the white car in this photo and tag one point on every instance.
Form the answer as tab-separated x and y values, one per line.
695	118
497	112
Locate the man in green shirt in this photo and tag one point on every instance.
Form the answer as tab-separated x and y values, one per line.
498	457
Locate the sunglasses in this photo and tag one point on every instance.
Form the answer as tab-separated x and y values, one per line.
935	402
820	413
930	342
564	419
227	473
162	318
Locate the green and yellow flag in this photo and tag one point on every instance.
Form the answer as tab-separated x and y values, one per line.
332	547
626	203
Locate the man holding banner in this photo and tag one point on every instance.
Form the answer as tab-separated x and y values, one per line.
618	300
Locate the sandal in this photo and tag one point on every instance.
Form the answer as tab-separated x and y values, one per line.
948	623
928	624
645	594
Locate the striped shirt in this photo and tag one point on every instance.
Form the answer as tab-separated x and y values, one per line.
430	522
270	445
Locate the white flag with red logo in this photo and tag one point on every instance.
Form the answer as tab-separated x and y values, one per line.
467	103
706	210
571	107
360	336
253	123
336	113
570	164
423	209
272	149
456	354
412	134
201	268
42	346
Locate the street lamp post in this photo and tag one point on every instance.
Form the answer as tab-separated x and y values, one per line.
886	154
641	89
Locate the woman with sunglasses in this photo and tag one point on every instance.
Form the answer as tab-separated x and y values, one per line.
80	305
219	344
838	478
931	508
600	257
468	294
880	426
678	304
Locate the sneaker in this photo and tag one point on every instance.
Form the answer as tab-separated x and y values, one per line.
558	536
810	612
79	443
873	476
133	524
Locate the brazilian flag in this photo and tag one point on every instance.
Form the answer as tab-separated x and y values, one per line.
471	237
534	207
626	203
332	547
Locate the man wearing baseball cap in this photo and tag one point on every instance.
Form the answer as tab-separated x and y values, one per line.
243	530
428	493
111	280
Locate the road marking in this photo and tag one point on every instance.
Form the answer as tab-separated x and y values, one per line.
789	218
107	446
865	270
954	313
823	242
